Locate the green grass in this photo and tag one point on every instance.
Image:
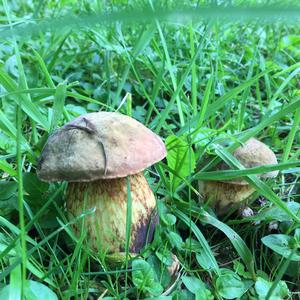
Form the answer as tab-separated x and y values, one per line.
205	80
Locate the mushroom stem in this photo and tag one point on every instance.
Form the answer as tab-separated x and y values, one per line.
223	195
106	228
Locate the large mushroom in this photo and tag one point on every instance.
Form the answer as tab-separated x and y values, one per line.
224	194
95	153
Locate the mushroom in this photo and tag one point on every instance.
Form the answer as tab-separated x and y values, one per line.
224	194
95	153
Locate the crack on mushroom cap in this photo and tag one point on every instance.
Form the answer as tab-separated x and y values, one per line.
74	155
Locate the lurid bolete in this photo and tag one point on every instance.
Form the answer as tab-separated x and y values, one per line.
95	153
224	194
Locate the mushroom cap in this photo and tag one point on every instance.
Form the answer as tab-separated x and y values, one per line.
253	154
99	145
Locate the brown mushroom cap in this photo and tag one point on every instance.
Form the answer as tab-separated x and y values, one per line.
253	154
99	145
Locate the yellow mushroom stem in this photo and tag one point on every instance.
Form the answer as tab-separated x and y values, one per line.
106	227
222	196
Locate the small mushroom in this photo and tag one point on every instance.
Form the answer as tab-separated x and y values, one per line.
224	194
95	153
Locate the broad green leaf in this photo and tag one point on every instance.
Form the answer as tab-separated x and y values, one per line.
276	213
37	291
165	256
33	291
240	270
161	270
164	215
194	285
180	158
262	287
192	245
175	239
7	189
144	278
204	294
203	260
33	186
230	285
283	244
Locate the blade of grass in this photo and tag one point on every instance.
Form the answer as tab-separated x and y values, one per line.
237	242
57	52
232	174
7	168
239	245
59	96
144	39
128	228
20	197
155	91
200	238
284	84
28	225
263	67
215	106
170	69
282	269
170	105
140	81
11	130
291	107
271	118
242	110
58	105
291	136
44	69
218	104
38	245
204	102
21	273
27	106
194	70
